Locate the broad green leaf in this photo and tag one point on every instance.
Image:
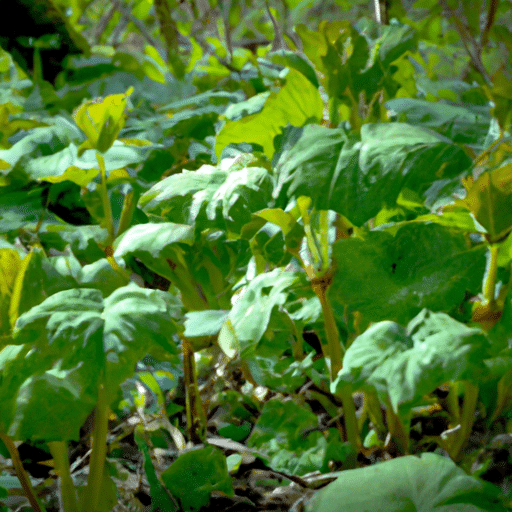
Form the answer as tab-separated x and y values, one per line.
101	120
161	247
281	433
405	364
297	103
19	209
36	280
40	141
247	107
358	179
224	196
387	277
195	475
251	311
52	406
488	199
462	123
408	484
84	241
295	61
204	323
68	165
79	333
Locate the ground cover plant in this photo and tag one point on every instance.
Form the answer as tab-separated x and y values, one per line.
259	265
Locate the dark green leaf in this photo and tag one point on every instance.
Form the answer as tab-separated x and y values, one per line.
422	266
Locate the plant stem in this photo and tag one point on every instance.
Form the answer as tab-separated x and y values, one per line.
59	451
335	347
453	402
504	388
107	209
129	205
397	429
21	473
467	420
99	451
490	275
196	418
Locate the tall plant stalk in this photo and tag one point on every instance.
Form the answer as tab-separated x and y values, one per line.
99	451
59	451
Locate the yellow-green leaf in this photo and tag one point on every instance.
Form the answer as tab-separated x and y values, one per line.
296	103
102	119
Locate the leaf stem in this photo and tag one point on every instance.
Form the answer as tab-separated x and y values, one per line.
59	451
21	473
99	451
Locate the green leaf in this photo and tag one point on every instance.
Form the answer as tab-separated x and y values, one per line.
52	406
224	196
297	103
204	323
67	165
405	364
358	179
77	337
19	209
488	199
195	475
387	277
281	433
410	484
460	122
101	120
295	61
36	280
250	315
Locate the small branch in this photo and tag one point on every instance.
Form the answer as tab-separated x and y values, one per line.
491	13
278	35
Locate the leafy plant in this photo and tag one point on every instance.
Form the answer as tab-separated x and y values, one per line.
297	258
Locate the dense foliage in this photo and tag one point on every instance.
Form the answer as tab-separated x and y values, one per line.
259	265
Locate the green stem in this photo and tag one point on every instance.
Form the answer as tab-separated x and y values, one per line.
107	209
336	362
334	344
59	451
129	205
99	452
452	401
504	389
316	258
21	473
374	411
467	420
397	429
196	417
490	275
